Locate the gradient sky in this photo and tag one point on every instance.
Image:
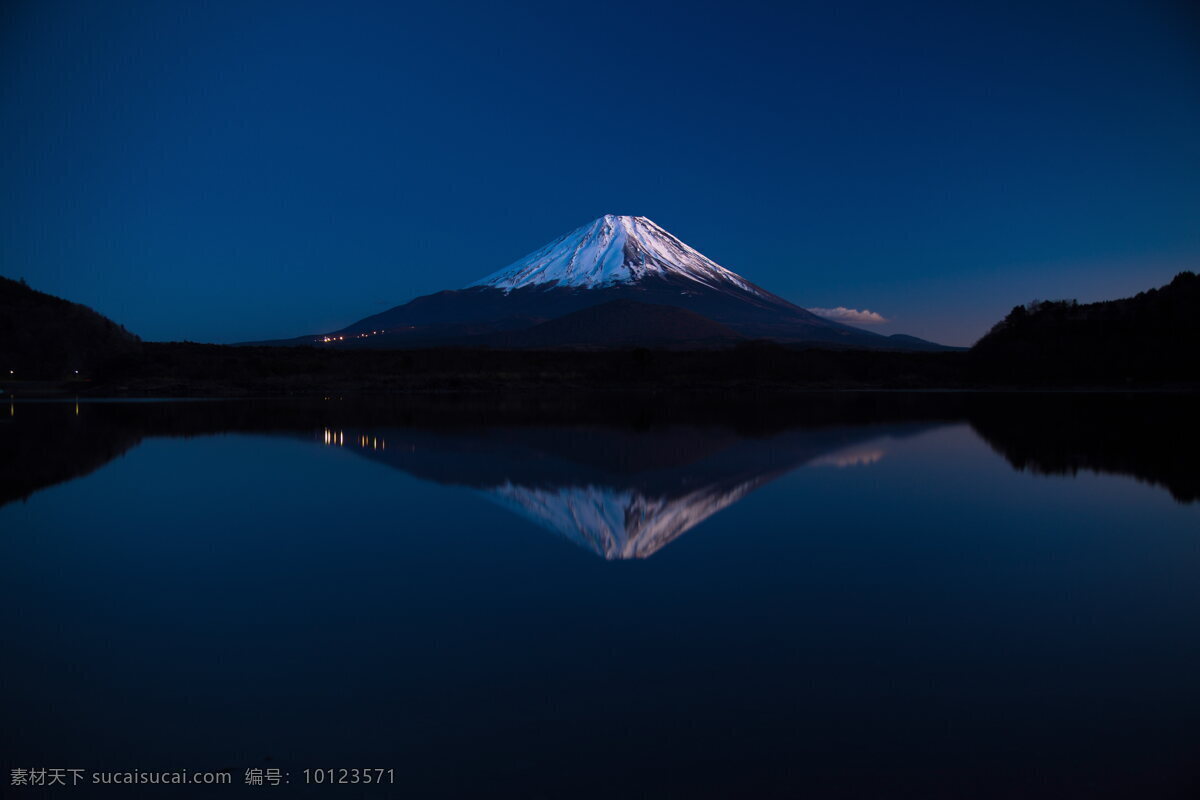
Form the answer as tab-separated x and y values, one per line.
223	171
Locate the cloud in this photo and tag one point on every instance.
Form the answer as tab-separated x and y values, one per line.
850	315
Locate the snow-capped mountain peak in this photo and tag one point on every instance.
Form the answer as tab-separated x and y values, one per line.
613	250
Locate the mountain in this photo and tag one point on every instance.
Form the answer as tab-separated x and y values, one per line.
1153	335
43	336
611	258
622	323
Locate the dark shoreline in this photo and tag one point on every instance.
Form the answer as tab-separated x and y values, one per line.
200	370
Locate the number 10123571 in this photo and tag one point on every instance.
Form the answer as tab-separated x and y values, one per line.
352	775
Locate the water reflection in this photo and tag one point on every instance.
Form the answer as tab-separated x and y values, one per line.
854	457
1154	440
861	597
620	493
365	441
626	486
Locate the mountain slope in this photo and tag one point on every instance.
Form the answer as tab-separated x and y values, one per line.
622	323
902	341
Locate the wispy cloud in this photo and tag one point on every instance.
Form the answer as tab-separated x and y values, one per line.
851	315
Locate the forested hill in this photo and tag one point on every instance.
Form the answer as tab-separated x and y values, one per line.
46	337
1154	334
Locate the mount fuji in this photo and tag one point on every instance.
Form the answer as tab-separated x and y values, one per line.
639	285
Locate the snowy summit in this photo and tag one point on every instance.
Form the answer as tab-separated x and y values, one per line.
609	251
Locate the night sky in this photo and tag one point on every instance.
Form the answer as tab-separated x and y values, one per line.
232	171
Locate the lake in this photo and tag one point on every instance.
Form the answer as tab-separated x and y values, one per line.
836	595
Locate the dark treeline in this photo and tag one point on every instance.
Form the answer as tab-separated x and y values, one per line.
180	369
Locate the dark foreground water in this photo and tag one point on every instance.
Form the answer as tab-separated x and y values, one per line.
847	596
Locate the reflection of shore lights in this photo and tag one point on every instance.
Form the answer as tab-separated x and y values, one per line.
365	440
335	437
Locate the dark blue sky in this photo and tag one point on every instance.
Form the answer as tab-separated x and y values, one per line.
229	171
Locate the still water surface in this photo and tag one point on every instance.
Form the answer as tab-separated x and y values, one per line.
948	598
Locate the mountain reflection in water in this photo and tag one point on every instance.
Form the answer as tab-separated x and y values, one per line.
624	484
620	493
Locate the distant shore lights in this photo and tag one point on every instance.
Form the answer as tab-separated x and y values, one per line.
343	338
